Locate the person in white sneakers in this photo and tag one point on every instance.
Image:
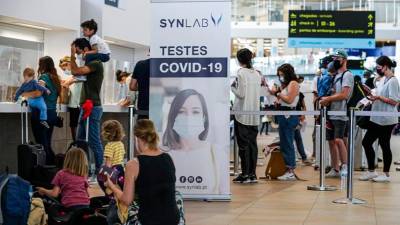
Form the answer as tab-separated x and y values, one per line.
385	100
288	97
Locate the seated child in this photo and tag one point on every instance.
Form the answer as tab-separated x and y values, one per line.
30	84
100	49
71	182
114	151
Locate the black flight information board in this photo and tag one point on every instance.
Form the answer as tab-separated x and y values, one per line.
334	29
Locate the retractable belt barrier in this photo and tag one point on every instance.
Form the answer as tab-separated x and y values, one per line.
323	113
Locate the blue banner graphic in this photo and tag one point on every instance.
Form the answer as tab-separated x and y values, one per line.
366	43
189	67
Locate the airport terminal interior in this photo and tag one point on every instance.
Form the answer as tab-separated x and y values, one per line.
197	112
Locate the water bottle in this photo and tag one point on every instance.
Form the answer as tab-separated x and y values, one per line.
343	177
30	191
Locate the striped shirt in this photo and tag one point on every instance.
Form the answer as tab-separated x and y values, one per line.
115	150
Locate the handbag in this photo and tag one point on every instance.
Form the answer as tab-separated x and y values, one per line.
363	121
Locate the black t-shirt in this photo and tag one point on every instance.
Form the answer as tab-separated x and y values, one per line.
141	73
92	86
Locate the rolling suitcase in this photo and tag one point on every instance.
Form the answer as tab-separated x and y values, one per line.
82	144
29	155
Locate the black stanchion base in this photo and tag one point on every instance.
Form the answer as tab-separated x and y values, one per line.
321	188
354	201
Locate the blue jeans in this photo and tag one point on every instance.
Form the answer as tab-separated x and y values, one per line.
94	139
98	56
38	103
299	144
287	127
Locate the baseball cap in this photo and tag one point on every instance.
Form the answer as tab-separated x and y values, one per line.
340	53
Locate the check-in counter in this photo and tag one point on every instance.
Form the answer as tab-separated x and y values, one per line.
10	130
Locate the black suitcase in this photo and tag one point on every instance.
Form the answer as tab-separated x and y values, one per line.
29	155
82	144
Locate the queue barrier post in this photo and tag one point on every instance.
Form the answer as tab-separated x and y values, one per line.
131	141
235	171
349	199
322	148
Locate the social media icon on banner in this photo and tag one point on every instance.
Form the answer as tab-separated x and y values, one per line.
182	179
199	179
191	179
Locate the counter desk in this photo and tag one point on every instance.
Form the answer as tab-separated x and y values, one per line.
10	131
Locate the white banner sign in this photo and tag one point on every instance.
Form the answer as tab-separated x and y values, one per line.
189	92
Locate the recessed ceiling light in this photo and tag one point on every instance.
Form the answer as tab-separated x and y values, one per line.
32	26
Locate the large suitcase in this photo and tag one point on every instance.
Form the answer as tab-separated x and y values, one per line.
82	144
29	155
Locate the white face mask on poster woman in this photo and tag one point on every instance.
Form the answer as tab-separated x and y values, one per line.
189	127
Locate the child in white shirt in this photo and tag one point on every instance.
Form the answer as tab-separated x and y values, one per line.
100	49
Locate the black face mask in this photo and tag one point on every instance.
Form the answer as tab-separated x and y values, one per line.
282	80
337	64
380	72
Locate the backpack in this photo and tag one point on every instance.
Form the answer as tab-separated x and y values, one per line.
357	94
15	200
276	165
324	85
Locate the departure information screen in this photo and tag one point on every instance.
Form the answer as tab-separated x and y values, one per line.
331	29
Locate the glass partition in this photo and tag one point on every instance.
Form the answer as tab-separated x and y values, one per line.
15	55
111	88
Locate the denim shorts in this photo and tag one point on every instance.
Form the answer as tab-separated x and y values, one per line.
339	129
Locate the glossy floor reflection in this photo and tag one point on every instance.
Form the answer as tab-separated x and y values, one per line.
275	202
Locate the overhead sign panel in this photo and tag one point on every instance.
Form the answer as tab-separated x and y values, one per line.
331	29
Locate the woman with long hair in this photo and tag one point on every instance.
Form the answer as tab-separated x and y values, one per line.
185	140
288	96
386	100
48	78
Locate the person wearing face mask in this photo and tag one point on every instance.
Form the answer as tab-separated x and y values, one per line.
288	97
386	99
342	88
247	92
149	181
185	140
74	94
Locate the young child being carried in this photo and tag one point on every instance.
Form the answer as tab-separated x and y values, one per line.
71	182
100	49
29	85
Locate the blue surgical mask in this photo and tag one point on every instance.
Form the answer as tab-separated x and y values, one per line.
67	72
189	127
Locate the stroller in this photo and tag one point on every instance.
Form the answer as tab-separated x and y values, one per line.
58	215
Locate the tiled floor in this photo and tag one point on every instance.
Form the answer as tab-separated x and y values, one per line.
274	202
289	203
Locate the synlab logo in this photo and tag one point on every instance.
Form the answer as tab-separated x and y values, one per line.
216	21
187	23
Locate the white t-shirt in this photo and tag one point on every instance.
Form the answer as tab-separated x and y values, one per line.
315	83
101	45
